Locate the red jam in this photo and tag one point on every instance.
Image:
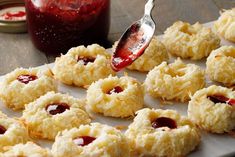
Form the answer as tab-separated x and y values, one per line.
116	89
13	16
2	130
83	140
26	78
56	26
57	108
86	60
221	99
129	48
164	122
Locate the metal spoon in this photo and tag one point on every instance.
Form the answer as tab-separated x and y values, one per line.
135	40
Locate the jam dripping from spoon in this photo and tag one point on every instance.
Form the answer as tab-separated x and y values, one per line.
83	140
221	99
135	40
26	78
57	108
164	122
129	48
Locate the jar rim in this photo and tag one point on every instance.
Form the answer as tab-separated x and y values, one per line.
13	25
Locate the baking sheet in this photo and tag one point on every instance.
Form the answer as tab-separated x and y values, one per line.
212	145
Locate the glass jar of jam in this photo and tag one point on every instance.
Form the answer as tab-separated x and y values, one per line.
57	25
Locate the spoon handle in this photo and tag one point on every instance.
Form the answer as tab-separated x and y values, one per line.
148	7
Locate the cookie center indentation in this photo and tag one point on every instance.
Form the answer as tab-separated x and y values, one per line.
221	99
116	89
2	130
26	78
85	60
83	140
57	108
164	122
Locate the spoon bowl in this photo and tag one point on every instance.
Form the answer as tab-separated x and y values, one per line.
135	40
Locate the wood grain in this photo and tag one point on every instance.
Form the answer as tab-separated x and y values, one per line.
168	11
119	20
225	4
16	50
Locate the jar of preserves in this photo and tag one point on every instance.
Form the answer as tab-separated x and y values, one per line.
57	25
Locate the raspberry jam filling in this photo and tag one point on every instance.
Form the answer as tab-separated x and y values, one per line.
2	130
221	99
83	140
116	89
164	122
26	78
57	108
85	60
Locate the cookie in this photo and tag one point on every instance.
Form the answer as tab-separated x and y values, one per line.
91	140
26	150
213	109
225	25
23	86
190	41
220	65
162	133
175	81
83	65
115	97
52	113
12	132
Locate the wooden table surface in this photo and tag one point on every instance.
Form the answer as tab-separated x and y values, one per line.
16	50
